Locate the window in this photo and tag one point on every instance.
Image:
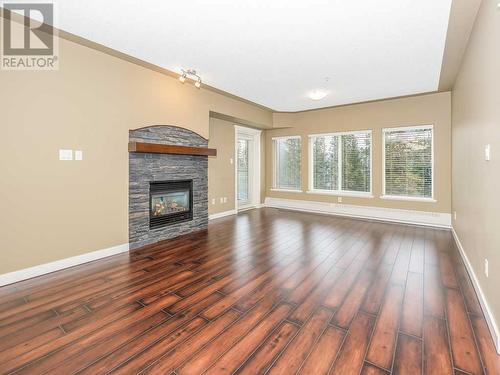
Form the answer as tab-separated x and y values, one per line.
286	151
341	163
408	163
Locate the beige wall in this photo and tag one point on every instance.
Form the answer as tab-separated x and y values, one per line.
419	110
220	169
476	122
52	209
221	173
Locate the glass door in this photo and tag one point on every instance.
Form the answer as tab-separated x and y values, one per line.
243	171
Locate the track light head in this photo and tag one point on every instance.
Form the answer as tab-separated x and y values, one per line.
191	73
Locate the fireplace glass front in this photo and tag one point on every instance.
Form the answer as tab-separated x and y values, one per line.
170	202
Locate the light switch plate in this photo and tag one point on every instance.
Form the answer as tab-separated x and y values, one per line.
487	152
65	154
78	155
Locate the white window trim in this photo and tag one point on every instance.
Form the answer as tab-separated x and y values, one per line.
339	192
404	198
287	137
408	198
254	136
288	190
273	150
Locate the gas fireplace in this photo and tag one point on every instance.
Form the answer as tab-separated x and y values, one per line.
170	202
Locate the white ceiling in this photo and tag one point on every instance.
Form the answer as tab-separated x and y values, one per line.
273	52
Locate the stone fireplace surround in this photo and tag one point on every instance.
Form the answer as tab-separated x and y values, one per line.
147	167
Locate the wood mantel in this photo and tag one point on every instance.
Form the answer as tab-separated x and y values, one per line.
157	148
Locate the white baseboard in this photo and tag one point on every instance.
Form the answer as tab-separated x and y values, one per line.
495	332
222	214
28	273
432	219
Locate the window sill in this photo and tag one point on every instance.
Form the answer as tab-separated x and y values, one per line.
340	193
287	190
410	199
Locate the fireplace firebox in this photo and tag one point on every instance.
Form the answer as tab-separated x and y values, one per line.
170	202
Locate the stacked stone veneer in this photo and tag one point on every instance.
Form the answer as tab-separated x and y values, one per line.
146	167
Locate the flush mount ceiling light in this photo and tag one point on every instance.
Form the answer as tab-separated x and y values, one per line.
191	73
317	94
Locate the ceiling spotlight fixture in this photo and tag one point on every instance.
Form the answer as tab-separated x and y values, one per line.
190	73
317	94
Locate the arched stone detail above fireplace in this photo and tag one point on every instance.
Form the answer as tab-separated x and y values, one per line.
168	135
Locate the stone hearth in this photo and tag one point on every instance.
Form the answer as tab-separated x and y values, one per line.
148	167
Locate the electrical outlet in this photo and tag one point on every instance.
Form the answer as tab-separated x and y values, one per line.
231	161
486	268
225	199
78	155
455	215
213	200
339	199
221	200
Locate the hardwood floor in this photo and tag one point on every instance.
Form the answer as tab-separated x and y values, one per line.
268	291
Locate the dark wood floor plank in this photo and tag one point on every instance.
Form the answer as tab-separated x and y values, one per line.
302	313
369	369
352	353
381	349
254	294
22	336
350	306
343	285
21	325
448	277
433	292
225	303
463	346
402	263
83	353
491	359
174	358
236	356
205	357
297	351
408	360
437	358
413	305
167	334
417	252
260	361
105	327
314	278
375	295
470	297
324	352
110	352
36	342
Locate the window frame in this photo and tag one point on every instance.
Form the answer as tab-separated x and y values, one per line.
403	197
339	191
273	145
